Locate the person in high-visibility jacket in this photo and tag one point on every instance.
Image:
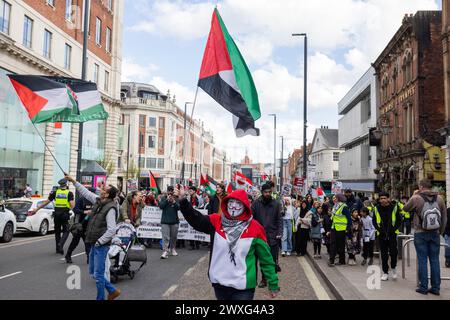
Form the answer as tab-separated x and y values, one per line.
64	202
340	225
387	221
406	225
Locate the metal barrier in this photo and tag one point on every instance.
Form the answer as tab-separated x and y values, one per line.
406	244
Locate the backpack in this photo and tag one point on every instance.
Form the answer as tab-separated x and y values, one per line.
314	221
431	215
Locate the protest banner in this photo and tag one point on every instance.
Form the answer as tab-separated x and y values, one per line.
336	187
151	226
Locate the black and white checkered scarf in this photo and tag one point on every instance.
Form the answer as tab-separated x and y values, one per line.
233	230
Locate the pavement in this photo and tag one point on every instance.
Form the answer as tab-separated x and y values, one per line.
360	282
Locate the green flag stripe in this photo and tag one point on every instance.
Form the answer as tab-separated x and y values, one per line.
243	76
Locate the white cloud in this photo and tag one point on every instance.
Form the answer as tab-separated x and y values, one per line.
132	71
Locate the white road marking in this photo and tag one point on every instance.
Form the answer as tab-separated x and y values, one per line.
75	255
170	290
319	290
10	275
189	271
27	241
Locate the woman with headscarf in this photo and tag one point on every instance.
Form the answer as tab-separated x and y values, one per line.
303	227
237	241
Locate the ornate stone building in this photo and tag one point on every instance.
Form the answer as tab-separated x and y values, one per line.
410	104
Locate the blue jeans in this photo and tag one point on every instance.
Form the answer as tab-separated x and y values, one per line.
228	293
428	247
447	249
286	241
97	258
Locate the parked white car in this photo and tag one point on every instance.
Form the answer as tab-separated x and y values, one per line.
8	225
40	222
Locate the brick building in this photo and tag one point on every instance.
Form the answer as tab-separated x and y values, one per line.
445	131
410	103
46	37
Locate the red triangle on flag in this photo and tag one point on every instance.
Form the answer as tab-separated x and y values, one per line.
30	100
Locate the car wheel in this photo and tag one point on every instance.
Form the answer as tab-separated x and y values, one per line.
43	228
8	232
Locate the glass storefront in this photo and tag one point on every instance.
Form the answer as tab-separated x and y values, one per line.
62	152
21	149
93	142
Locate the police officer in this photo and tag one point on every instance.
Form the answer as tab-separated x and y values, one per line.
64	202
340	226
387	221
406	226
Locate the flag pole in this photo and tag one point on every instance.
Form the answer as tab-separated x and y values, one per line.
43	140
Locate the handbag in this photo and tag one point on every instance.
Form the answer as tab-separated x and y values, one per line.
75	227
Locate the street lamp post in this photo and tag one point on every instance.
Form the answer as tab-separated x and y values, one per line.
184	143
281	163
274	144
305	96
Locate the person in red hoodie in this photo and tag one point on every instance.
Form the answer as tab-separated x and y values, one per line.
237	240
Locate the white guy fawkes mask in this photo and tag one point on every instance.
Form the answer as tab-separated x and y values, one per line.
235	207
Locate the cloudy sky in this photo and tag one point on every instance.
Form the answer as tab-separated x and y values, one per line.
164	42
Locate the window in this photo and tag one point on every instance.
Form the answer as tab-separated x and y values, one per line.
119	162
335	174
106	86
96	68
67	56
142	121
27	31
151	163
335	156
110	5
141	140
161	163
151	141
5	9
69	10
108	39
51	2
161	143
141	162
162	123
98	31
152	122
47	43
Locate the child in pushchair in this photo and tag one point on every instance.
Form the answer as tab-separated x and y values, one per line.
124	249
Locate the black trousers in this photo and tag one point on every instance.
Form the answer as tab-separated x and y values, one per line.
228	293
368	249
74	244
388	248
61	221
317	245
194	244
301	242
337	245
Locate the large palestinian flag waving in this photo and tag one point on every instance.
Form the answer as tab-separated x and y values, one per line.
227	79
208	183
43	98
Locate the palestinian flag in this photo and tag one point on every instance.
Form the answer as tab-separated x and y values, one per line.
153	184
88	99
43	98
225	76
209	184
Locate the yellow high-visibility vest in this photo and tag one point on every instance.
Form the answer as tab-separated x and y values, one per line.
405	214
339	220
62	199
394	218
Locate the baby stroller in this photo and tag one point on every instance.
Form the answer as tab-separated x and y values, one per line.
125	248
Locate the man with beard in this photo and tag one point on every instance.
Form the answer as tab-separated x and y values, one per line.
268	212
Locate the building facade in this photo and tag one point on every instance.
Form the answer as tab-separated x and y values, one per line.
445	131
410	103
156	140
359	114
325	154
46	37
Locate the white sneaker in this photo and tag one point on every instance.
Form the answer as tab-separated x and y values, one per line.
165	255
283	253
173	252
394	273
385	277
288	253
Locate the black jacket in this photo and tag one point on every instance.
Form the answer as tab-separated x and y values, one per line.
354	203
386	229
213	205
269	215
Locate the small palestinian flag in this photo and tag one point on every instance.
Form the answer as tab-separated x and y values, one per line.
153	184
89	101
242	182
209	184
43	98
225	76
